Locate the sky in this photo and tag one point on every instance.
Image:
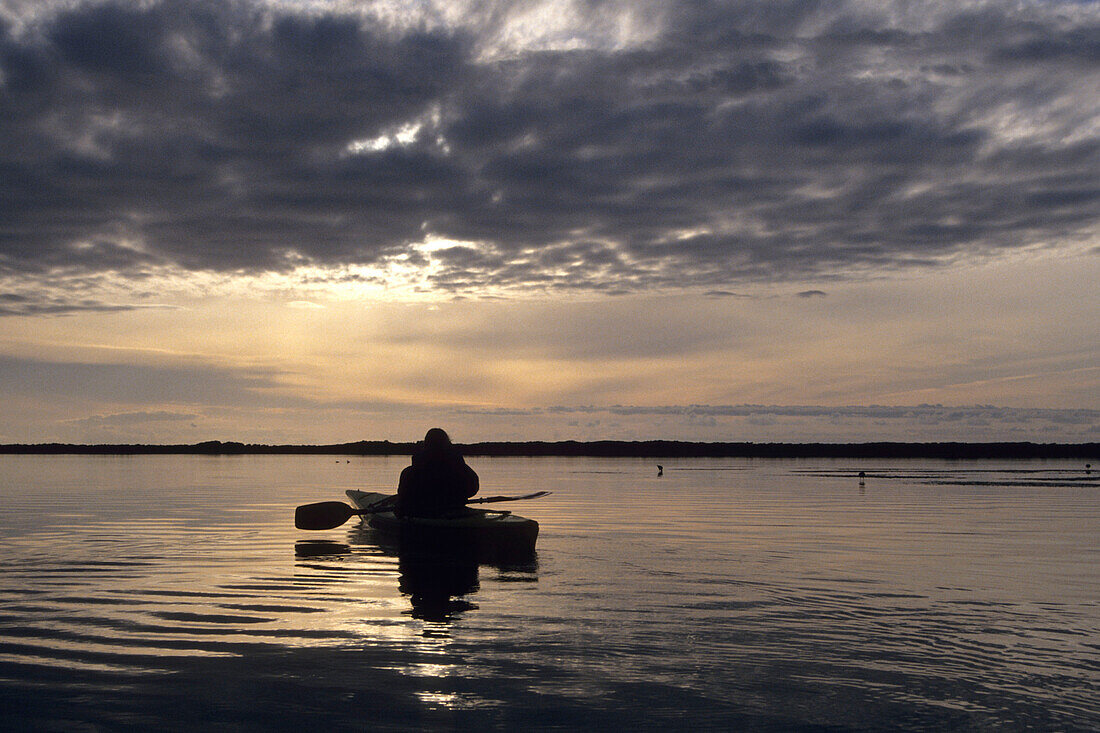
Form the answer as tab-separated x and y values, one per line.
309	221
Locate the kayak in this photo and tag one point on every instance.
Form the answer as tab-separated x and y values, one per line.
481	530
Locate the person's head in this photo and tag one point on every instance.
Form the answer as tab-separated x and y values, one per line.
437	440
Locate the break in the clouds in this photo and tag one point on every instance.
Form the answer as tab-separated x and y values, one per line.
590	145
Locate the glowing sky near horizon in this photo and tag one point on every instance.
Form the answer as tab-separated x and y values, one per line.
333	221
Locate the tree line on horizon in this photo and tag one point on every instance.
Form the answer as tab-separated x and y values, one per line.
601	449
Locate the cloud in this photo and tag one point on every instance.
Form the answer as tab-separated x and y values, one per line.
131	419
789	423
142	384
560	146
848	422
935	413
43	304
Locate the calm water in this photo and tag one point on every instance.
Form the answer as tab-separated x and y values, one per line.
174	592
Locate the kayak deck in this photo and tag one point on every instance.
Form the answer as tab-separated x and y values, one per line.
480	530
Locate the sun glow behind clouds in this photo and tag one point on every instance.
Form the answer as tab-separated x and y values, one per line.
410	275
257	360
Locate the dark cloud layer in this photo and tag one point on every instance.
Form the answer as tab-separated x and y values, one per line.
742	141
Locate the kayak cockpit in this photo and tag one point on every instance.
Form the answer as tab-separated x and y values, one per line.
486	532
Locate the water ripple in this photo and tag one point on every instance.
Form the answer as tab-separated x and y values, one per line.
763	595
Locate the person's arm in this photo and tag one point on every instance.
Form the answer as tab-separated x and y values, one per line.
471	480
403	485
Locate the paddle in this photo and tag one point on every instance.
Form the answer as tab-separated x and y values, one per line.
330	514
325	515
491	499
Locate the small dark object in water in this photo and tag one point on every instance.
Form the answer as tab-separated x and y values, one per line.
660	470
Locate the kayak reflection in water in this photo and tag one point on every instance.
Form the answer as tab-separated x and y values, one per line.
438	588
437	482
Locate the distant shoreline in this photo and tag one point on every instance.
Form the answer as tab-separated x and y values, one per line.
602	448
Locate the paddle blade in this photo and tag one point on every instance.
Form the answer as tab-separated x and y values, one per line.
322	515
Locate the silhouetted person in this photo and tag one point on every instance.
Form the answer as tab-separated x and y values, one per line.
438	481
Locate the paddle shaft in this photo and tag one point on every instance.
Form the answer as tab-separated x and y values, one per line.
388	504
491	499
331	514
